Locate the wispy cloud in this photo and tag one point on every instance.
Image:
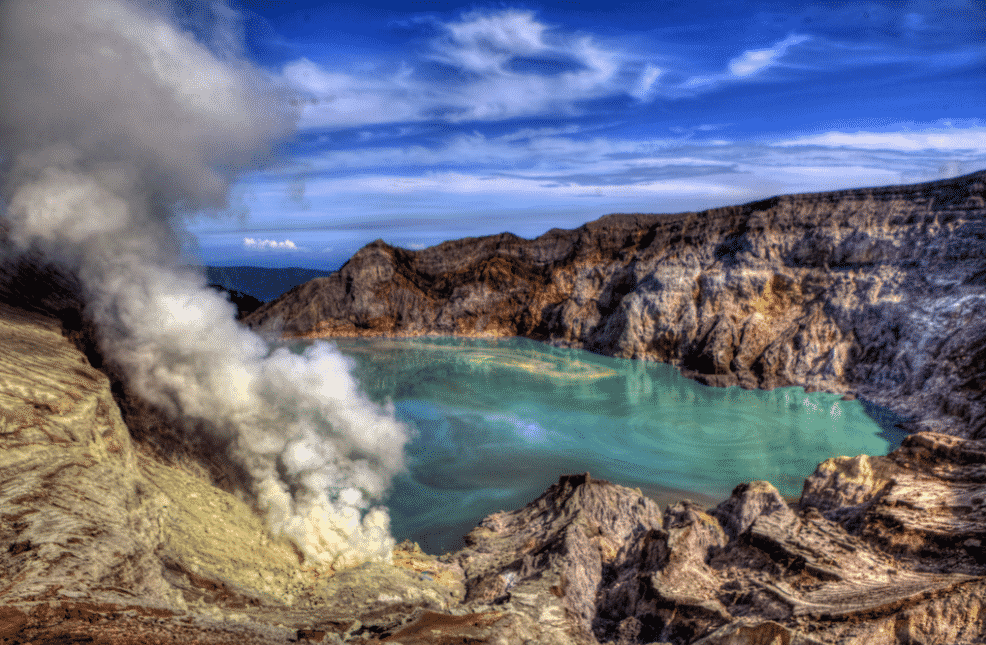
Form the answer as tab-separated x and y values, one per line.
549	159
499	65
945	138
747	66
756	60
485	66
502	65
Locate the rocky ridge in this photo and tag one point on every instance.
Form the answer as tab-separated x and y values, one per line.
117	526
873	291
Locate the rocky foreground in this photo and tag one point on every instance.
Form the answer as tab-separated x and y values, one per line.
116	528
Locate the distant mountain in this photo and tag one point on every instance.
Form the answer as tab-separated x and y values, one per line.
245	303
261	283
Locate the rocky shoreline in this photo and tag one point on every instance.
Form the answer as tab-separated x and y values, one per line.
116	528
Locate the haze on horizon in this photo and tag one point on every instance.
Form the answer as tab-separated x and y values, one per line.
422	122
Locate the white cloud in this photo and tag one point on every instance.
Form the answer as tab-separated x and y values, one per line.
286	245
532	133
745	66
340	192
970	139
495	65
534	151
486	42
755	60
546	161
342	100
645	86
500	65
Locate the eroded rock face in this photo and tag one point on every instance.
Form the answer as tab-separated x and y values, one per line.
875	291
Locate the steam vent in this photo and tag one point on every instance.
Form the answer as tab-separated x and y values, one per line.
122	521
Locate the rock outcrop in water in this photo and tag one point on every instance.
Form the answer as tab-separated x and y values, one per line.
117	527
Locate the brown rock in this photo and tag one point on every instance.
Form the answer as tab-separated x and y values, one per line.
11	622
311	635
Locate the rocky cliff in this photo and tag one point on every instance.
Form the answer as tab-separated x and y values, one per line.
874	291
117	527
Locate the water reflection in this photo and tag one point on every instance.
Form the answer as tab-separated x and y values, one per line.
499	420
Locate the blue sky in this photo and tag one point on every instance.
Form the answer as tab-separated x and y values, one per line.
431	120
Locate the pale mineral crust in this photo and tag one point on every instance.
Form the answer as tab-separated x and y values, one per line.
121	525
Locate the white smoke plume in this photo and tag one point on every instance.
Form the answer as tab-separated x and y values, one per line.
113	121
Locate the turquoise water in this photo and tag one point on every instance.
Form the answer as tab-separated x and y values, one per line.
498	421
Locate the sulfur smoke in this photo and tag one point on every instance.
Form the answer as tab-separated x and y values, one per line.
113	121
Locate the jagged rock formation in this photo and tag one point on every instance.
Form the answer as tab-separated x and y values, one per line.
593	562
119	527
876	291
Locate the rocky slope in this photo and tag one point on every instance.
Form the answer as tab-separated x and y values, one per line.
875	291
115	527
